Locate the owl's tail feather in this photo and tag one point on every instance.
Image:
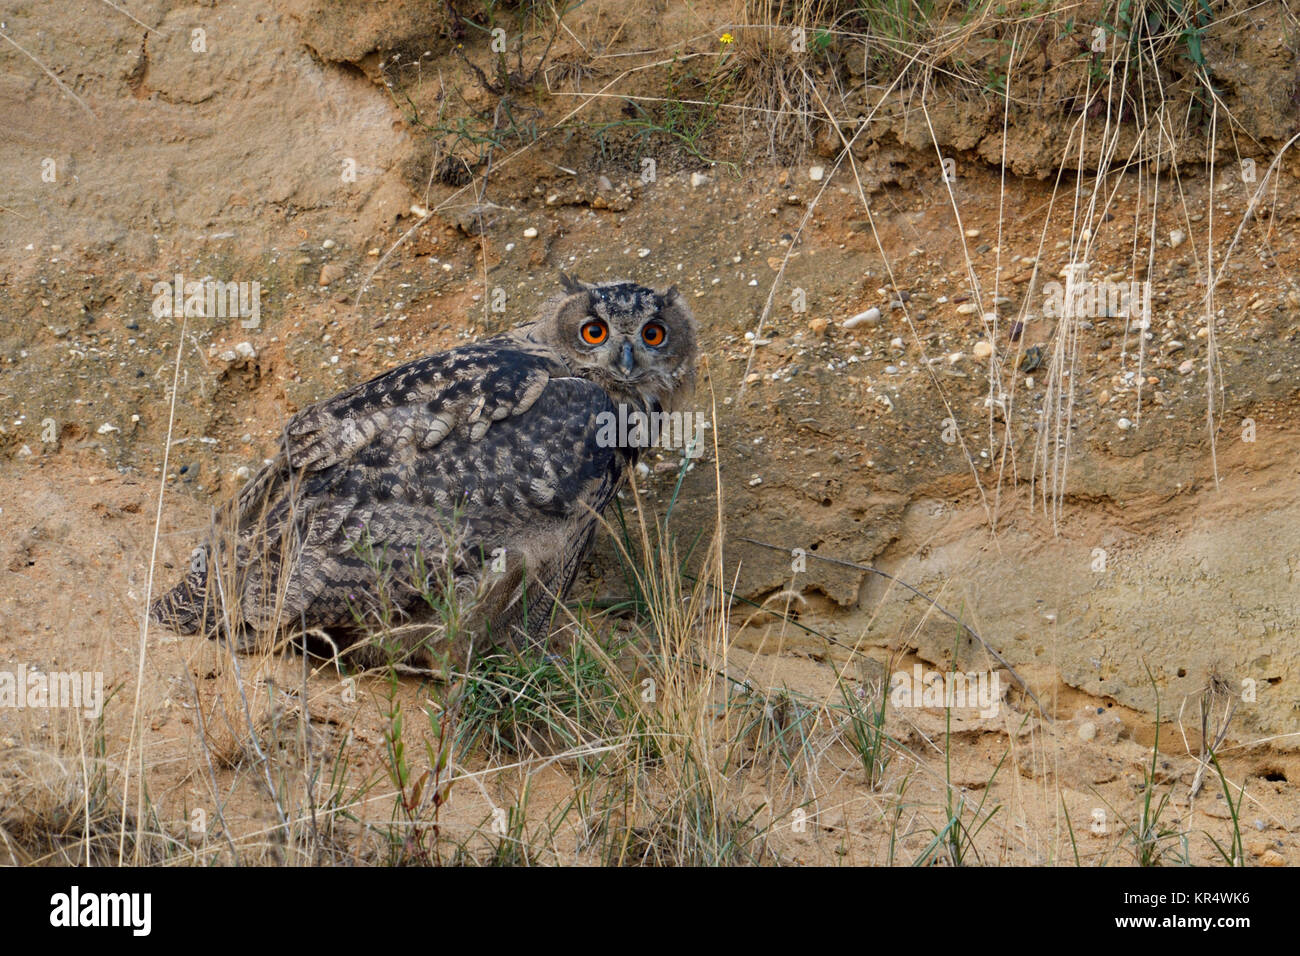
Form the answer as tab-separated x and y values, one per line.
187	608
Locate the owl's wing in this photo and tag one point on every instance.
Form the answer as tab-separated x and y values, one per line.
420	403
488	442
576	469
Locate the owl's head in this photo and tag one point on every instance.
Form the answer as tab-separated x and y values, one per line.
627	338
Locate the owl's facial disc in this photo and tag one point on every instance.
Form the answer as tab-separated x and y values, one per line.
628	336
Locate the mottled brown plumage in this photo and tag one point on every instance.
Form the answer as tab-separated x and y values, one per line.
462	487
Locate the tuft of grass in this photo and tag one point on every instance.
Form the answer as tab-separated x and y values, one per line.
65	810
528	701
864	726
1153	841
1234	853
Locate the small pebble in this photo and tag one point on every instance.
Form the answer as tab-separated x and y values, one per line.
1124	424
1177	238
530	232
1186	368
698	179
982	350
967	308
816	173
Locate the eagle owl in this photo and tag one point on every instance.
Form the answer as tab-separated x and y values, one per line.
455	493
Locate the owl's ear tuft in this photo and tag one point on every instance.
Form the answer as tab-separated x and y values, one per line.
571	284
671	295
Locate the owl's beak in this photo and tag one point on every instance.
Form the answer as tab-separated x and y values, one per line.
627	361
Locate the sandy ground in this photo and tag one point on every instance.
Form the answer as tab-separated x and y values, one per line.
1161	563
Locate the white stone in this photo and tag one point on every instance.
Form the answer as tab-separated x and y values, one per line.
869	317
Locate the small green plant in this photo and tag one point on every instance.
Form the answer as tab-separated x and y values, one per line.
775	727
408	836
686	115
864	730
526	700
956	838
1233	854
1150	836
1150	35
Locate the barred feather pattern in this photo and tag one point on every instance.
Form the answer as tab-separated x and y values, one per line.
461	487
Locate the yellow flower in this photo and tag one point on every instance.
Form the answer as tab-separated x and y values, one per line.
727	39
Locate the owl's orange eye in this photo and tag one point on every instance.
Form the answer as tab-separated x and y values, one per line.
654	334
594	332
